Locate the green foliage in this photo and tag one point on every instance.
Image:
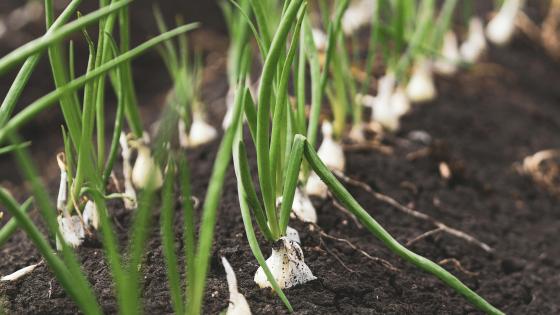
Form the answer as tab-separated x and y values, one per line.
401	32
78	142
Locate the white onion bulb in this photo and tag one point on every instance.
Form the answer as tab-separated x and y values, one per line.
502	26
316	187
358	14
356	134
421	87
200	133
475	44
330	151
383	111
287	266
447	63
320	38
399	101
146	170
332	154
302	208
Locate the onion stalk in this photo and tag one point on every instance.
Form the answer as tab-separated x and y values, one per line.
187	81
11	226
238	52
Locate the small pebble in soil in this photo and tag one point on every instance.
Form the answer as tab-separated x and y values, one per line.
420	136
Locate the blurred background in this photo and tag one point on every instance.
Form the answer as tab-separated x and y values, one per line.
23	20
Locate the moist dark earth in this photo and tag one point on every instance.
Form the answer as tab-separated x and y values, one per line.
483	123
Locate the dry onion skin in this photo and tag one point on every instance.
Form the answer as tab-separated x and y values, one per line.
286	264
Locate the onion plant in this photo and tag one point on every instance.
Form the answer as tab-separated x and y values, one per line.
403	38
400	46
391	101
347	93
421	87
83	164
185	96
272	159
331	149
196	251
66	267
282	133
286	267
52	36
343	91
406	39
239	48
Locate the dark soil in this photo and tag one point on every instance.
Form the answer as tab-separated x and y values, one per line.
484	122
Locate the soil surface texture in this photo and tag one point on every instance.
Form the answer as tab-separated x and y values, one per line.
483	123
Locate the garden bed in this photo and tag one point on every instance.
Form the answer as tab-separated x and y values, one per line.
484	122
